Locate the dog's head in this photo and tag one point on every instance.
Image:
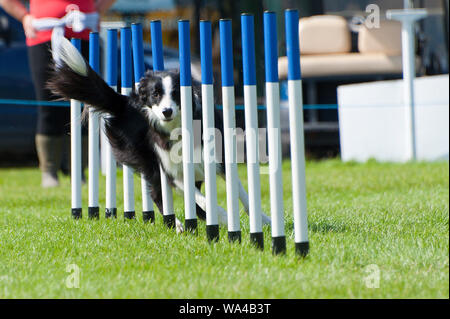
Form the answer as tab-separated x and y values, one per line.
159	94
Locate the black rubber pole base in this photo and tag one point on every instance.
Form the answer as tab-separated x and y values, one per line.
148	216
302	249
257	239
111	213
76	213
190	225
129	215
212	233
279	245
93	212
234	236
169	221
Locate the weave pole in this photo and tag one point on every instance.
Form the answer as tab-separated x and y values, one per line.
251	129
148	213
111	80
127	79
273	131
229	126
94	134
184	39
158	65
75	154
296	134
209	144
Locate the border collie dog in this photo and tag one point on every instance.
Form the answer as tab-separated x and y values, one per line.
139	126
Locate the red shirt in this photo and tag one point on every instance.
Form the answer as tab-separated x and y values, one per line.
58	9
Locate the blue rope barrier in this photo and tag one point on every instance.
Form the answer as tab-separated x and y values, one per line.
67	104
33	103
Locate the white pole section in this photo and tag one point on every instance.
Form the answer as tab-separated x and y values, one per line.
190	220
111	79
158	65
296	134
94	134
148	212
75	154
251	129
126	76
209	156
273	131
408	18
229	127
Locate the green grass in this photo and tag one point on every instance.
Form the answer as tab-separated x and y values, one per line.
389	215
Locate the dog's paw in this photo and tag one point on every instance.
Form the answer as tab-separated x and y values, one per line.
179	226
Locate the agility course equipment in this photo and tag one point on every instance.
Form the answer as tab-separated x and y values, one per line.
132	45
75	153
158	65
111	167
94	134
148	213
209	144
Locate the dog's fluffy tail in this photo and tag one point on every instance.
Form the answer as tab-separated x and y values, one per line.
73	78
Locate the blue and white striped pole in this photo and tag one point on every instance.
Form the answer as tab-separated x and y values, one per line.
75	154
190	220
209	155
94	134
158	65
148	213
297	134
229	125
127	79
111	168
273	131
251	129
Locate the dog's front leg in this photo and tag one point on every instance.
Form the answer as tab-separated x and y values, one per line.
200	199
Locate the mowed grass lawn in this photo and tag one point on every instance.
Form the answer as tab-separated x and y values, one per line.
365	220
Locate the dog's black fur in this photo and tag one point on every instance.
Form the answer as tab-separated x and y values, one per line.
132	135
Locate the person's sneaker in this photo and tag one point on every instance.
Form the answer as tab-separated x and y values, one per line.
49	180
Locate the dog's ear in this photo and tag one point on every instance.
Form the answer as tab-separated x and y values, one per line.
196	97
143	91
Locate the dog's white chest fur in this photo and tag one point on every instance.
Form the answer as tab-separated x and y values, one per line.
172	161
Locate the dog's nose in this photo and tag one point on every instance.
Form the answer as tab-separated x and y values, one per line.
167	113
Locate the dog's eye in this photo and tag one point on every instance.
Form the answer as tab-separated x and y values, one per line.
155	94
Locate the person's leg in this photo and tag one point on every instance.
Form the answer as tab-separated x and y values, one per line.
53	124
51	121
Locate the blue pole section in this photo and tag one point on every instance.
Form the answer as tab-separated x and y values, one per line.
186	125
148	213
293	44
138	51
271	46
158	65
125	57
206	52
93	135
112	60
296	134
229	125
127	79
76	43
94	51
111	79
212	225
251	128
274	132
75	137
157	45
226	52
